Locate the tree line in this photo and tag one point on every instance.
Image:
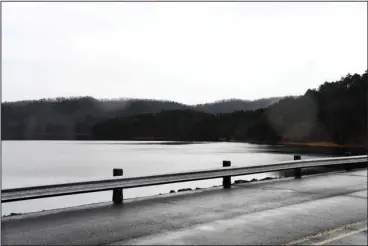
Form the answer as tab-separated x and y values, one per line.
73	118
335	112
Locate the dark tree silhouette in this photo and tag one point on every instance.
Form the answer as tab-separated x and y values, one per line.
73	118
335	112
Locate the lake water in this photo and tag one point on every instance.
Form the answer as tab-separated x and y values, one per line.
31	163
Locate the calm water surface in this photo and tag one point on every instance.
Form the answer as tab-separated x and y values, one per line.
30	163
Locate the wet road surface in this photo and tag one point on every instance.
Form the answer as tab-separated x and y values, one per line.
321	209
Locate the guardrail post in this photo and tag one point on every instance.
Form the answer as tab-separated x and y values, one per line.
348	167
297	171
226	180
117	194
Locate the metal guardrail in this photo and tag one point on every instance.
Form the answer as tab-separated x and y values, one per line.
117	184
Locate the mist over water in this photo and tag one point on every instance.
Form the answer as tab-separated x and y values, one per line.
31	163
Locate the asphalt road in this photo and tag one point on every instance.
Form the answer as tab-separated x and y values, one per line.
321	209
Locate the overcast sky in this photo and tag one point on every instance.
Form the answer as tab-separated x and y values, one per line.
186	52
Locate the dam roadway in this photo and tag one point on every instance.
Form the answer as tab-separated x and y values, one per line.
318	209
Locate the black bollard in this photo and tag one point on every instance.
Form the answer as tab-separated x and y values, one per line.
226	180
117	194
348	166
297	171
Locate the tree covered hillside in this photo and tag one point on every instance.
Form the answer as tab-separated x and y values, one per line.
73	118
335	112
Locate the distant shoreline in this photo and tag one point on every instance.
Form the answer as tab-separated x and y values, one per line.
324	144
287	146
284	143
324	148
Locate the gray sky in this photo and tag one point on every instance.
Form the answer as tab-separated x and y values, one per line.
186	52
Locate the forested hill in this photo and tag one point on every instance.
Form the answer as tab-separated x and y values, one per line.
231	105
73	118
335	112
